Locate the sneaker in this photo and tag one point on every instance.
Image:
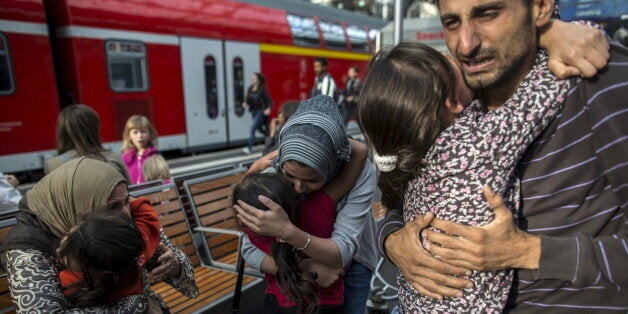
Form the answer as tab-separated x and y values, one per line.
246	150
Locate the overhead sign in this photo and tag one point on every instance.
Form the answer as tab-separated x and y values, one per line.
592	9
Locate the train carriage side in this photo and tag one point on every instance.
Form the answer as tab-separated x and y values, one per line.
184	64
169	61
28	93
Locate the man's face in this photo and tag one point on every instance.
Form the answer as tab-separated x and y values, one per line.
304	180
319	68
352	73
491	39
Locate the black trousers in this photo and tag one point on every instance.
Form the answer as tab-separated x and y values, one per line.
271	306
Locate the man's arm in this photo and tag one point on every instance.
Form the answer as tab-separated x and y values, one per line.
499	245
496	246
402	245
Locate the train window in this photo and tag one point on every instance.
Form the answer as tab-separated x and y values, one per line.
238	86
304	32
126	62
211	87
359	38
334	35
6	74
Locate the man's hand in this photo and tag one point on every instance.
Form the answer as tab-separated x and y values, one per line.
574	49
429	276
168	265
495	246
326	275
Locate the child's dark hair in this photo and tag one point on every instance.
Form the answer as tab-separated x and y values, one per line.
402	110
104	248
299	286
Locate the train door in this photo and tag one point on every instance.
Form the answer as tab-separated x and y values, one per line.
203	88
241	61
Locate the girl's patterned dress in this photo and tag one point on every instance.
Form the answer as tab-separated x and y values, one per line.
480	149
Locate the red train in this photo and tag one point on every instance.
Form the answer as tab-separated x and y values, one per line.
185	64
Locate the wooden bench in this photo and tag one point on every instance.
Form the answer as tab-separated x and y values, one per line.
215	284
214	220
6	303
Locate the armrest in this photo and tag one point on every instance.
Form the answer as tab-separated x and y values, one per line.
240	234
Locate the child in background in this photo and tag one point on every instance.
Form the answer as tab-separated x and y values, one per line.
156	168
105	254
139	141
297	286
285	112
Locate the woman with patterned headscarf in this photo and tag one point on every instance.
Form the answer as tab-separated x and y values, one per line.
47	213
335	230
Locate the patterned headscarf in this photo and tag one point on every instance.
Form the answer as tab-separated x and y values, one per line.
315	136
72	190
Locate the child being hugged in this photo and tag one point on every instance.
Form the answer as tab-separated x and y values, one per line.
139	141
105	254
436	154
290	285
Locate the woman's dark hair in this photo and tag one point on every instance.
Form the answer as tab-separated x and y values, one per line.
261	79
104	248
77	128
402	110
297	285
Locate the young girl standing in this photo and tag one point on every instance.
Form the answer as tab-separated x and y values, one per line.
139	141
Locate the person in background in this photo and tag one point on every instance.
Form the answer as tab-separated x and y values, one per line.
139	141
156	168
77	135
351	95
259	103
9	195
285	112
324	84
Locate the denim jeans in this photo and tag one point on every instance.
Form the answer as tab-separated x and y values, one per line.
357	280
258	125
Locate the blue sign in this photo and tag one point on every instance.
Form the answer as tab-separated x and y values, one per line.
594	10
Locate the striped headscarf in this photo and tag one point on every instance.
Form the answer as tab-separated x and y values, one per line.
315	136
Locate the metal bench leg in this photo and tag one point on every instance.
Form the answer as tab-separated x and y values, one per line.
235	306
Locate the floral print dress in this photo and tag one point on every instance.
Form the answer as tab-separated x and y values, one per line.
480	149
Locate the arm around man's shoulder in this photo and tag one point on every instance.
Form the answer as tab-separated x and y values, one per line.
354	213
